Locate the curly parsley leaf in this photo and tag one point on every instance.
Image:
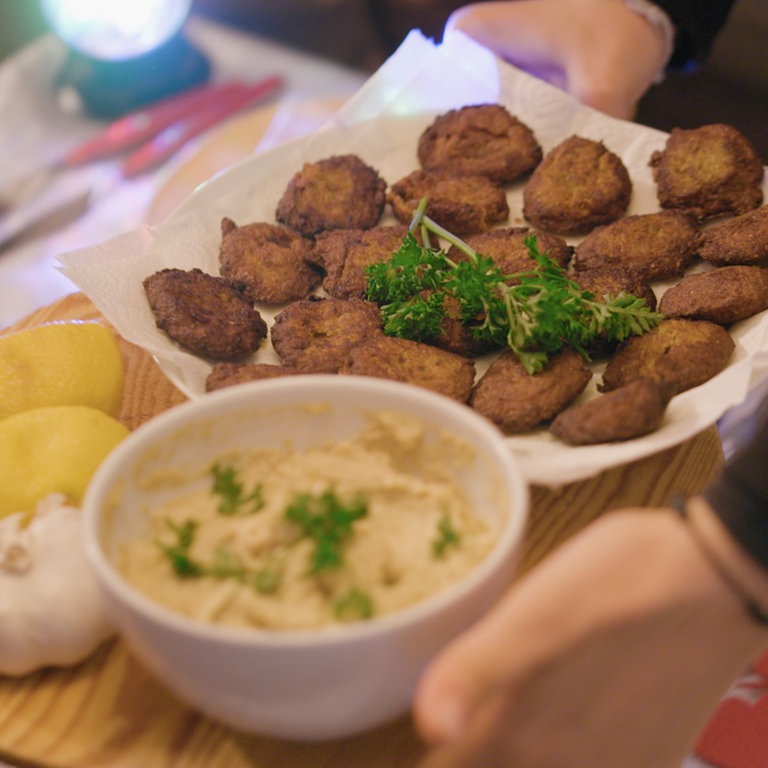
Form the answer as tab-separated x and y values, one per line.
413	268
418	317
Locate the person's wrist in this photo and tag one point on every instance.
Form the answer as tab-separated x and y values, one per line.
744	575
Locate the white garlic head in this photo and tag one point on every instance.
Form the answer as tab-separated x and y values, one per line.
52	612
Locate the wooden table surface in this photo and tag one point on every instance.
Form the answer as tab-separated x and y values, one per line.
109	712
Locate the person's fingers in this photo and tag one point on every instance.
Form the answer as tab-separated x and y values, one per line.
603	54
609	76
521	32
479	747
601	96
477	668
453	687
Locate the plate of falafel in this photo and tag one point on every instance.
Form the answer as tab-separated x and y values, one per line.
653	247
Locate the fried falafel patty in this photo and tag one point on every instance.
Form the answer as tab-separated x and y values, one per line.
723	295
344	254
652	245
678	353
315	335
205	313
604	282
229	374
517	401
483	139
708	171
271	261
740	240
506	246
389	357
579	185
339	192
631	411
464	205
456	334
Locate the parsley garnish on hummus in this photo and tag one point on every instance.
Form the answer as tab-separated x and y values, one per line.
328	522
232	497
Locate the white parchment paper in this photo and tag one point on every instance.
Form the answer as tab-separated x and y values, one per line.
381	124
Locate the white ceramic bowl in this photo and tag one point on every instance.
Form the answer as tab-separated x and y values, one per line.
314	684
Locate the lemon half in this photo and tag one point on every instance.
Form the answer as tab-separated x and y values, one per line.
71	362
52	450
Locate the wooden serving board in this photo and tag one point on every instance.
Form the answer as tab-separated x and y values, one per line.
109	712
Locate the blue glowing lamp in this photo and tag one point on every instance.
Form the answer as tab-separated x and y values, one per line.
124	54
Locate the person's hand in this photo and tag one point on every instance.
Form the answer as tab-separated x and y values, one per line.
600	51
610	653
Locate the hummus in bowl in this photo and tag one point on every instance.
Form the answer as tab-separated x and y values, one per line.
337	532
288	555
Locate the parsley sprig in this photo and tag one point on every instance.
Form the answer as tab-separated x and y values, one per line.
353	605
447	536
233	499
224	564
534	312
328	521
179	551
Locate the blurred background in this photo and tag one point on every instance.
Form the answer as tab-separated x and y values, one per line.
731	87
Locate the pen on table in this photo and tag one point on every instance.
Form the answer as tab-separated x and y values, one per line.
149	137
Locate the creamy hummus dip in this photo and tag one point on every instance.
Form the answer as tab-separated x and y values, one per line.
299	539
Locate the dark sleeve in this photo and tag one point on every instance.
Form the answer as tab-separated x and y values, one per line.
697	25
739	496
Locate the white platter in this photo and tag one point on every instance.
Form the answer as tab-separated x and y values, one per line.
110	274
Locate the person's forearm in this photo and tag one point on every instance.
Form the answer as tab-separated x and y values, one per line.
626	637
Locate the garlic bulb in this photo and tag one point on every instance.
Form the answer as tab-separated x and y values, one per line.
52	612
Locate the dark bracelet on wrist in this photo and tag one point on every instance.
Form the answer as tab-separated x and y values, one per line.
755	611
